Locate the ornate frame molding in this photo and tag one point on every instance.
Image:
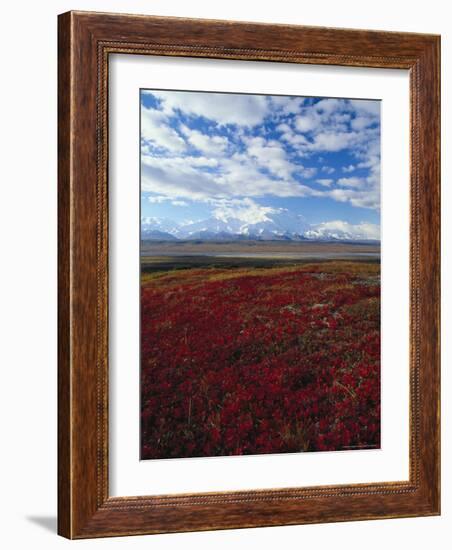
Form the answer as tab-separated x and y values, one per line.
85	42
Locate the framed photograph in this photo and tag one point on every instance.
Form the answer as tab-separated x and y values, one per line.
248	275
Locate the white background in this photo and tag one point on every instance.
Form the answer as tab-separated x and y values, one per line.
28	274
128	475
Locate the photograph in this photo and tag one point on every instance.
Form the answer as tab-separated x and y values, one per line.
248	321
259	274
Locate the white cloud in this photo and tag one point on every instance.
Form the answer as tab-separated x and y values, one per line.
335	125
244	177
242	162
342	229
329	105
201	161
240	109
296	140
349	168
328	169
287	105
245	210
211	145
333	141
237	176
364	199
179	161
365	106
340	119
308	122
308	172
361	122
366	113
270	155
326	182
159	199
329	114
156	130
174	180
351	182
283	128
372	161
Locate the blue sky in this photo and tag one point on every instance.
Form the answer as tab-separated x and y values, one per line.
209	154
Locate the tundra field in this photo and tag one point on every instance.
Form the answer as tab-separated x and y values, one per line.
262	354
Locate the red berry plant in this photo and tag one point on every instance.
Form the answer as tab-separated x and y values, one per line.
271	360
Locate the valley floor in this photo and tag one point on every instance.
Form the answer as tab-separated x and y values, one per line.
249	360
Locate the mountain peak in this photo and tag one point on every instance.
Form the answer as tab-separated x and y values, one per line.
275	225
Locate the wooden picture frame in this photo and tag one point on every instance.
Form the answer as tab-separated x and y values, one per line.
86	40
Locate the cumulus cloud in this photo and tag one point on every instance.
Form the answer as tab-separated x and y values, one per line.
295	140
334	125
240	109
329	105
349	168
309	172
246	210
179	203
351	182
270	155
341	229
361	122
367	107
156	130
363	199
159	199
236	176
174	180
326	182
283	127
287	105
211	145
333	141
191	151
307	122
328	169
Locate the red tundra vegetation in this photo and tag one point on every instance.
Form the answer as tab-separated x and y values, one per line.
250	361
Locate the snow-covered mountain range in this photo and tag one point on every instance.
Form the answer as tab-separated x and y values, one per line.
279	225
